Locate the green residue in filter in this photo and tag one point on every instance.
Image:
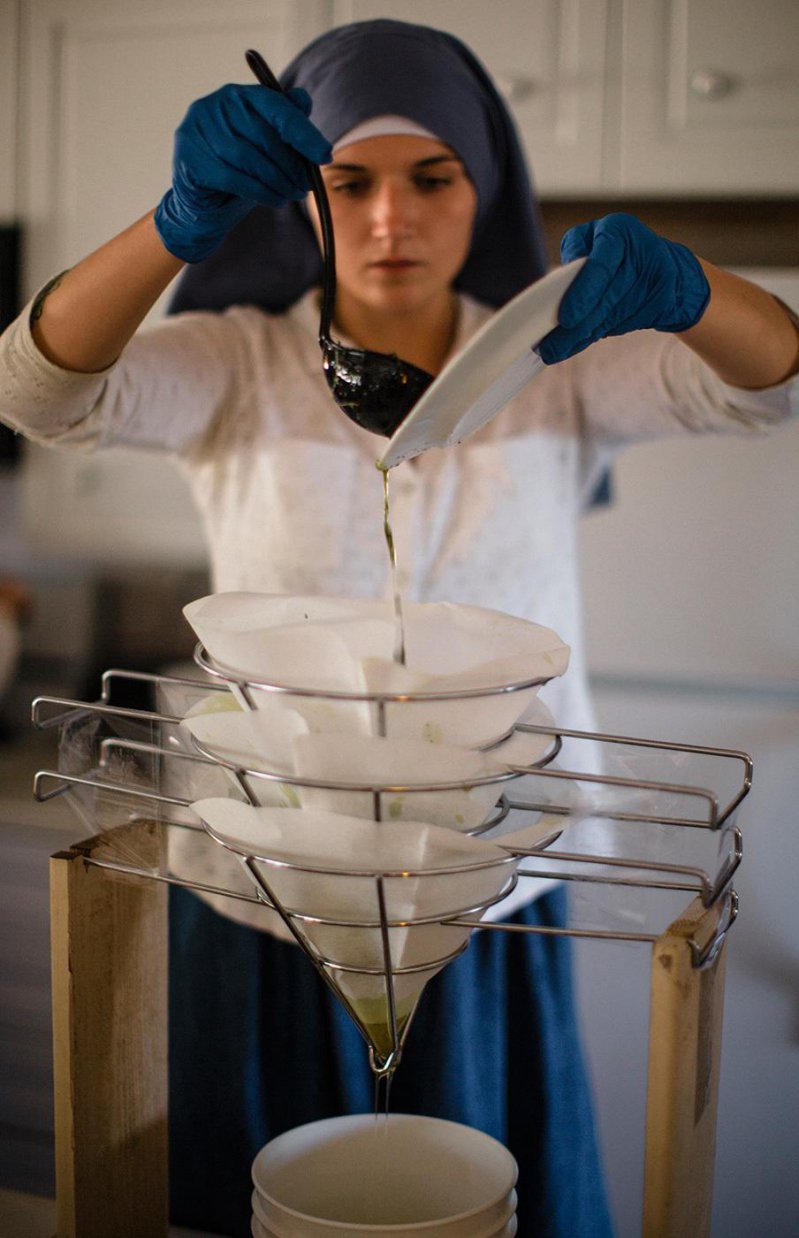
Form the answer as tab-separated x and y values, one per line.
372	1014
459	818
214	703
395	809
290	795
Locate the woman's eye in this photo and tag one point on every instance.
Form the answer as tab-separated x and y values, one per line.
350	189
431	183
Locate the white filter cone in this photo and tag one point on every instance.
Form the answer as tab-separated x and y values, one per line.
455	648
346	645
346	853
305	642
399	763
235	627
268	741
259	740
192	856
279	742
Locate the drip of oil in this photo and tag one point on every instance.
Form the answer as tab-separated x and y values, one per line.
383	1082
399	618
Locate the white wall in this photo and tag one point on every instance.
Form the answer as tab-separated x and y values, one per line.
693	571
756	1186
692	609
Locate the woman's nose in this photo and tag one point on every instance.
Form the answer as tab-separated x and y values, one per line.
393	211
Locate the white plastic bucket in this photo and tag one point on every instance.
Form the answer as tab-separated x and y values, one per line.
260	1231
404	1177
502	1215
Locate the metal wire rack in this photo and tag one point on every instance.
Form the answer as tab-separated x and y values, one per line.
136	771
668	839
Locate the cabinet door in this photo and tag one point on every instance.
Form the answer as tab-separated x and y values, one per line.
8	96
547	57
105	84
710	97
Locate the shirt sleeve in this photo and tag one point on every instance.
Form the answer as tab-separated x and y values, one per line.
166	390
649	385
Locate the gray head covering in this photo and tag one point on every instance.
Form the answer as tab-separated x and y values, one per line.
352	74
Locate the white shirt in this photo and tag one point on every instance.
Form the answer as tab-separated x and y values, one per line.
287	487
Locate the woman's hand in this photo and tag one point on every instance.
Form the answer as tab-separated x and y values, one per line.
236	148
632	279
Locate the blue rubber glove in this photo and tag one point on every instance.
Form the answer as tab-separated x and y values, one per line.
632	279
236	148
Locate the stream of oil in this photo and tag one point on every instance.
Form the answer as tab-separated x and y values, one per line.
399	618
382	1084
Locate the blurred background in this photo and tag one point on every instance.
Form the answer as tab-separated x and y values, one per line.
684	112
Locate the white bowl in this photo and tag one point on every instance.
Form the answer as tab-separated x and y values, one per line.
506	1210
260	1231
405	1177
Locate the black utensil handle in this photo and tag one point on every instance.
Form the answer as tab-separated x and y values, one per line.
267	78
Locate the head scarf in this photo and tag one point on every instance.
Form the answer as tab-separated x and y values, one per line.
353	74
381	127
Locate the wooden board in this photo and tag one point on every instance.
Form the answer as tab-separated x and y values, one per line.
109	969
682	1091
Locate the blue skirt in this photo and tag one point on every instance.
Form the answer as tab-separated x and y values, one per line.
259	1044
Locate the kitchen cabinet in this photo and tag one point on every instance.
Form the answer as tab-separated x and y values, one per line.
618	97
104	84
8	96
548	59
103	87
615	97
709	97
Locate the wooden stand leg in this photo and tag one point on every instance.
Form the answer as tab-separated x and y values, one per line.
109	965
682	1094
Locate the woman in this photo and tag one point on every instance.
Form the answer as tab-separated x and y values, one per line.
435	225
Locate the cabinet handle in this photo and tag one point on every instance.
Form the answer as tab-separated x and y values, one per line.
711	83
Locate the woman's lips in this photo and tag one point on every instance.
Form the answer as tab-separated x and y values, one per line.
395	264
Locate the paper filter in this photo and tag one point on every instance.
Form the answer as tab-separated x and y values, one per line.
402	764
209	864
258	740
309	643
347	645
351	766
323	866
465	649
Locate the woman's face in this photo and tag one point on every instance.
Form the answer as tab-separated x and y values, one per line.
403	210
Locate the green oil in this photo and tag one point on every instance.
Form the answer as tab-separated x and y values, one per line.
399	618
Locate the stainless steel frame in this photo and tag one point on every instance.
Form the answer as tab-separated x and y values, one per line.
542	860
